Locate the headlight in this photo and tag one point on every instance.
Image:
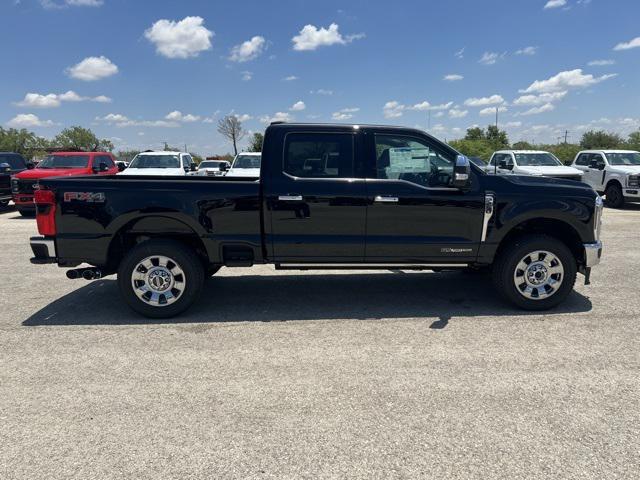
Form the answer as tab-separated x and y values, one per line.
633	181
14	185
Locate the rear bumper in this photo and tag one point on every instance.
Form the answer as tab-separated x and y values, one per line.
592	254
44	250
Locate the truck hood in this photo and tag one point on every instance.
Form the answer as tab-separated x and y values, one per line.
243	172
625	169
38	173
538	181
549	171
163	172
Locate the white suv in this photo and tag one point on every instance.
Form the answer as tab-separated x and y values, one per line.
161	163
616	173
532	163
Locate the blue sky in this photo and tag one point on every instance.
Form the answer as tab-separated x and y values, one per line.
144	72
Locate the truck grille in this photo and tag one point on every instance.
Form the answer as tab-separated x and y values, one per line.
577	178
5	182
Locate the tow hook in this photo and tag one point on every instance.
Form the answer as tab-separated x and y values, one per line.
89	273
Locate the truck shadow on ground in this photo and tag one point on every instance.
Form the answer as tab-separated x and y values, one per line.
273	298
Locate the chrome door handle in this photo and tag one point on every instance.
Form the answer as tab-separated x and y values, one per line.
386	199
290	198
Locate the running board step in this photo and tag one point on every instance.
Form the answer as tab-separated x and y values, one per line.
368	266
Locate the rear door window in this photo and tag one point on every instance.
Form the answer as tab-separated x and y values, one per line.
319	155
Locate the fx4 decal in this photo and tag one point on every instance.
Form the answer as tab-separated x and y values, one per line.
90	197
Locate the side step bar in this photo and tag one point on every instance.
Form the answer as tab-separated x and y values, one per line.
368	266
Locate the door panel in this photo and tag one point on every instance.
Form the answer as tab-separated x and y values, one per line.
427	221
317	208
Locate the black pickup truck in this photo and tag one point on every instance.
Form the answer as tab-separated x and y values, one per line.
10	164
328	197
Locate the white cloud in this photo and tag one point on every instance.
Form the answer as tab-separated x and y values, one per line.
547	107
344	114
540	99
512	124
601	63
527	51
93	68
635	43
491	110
564	81
122	121
484	101
290	78
298	106
249	50
457	113
460	53
51	4
312	37
393	109
424	106
244	117
177	116
322	91
28	120
555	4
246	76
53	100
278	117
453	77
490	58
180	39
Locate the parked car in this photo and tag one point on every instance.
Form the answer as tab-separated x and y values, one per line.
616	173
10	164
216	168
65	164
161	163
246	164
330	196
532	163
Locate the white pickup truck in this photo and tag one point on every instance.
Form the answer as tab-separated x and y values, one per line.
532	163
161	163
246	164
616	173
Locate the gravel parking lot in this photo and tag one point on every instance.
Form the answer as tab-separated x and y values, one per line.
320	375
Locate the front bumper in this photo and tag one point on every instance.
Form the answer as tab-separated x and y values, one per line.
24	200
44	250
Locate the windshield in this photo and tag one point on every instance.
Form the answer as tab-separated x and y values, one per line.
537	160
15	162
247	161
65	161
210	164
629	158
155	161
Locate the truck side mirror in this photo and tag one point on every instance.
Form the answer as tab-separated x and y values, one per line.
504	165
31	165
462	173
224	166
194	167
5	167
121	166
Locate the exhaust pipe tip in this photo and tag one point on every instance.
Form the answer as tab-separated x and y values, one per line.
72	274
88	275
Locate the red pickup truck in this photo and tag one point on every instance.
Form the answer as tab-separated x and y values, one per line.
58	164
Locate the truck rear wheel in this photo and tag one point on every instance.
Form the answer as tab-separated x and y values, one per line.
536	272
160	278
613	196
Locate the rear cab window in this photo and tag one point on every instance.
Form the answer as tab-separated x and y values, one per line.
319	155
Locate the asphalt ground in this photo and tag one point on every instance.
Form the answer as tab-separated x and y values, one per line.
320	375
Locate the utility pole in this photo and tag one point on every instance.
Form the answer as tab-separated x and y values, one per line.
566	134
496	118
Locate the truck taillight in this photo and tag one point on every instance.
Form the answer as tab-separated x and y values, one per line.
45	201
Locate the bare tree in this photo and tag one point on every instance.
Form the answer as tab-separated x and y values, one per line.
230	127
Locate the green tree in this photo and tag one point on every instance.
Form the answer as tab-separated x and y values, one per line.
497	137
565	152
255	142
600	139
522	145
633	143
126	155
475	133
79	138
22	141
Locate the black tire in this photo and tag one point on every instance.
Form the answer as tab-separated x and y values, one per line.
27	213
614	197
506	264
4	204
187	261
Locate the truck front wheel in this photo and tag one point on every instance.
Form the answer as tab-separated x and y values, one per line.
535	272
160	278
614	197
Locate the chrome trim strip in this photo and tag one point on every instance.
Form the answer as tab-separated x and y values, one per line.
382	266
592	254
489	206
290	198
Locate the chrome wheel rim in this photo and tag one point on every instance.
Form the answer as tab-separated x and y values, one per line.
158	281
538	275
